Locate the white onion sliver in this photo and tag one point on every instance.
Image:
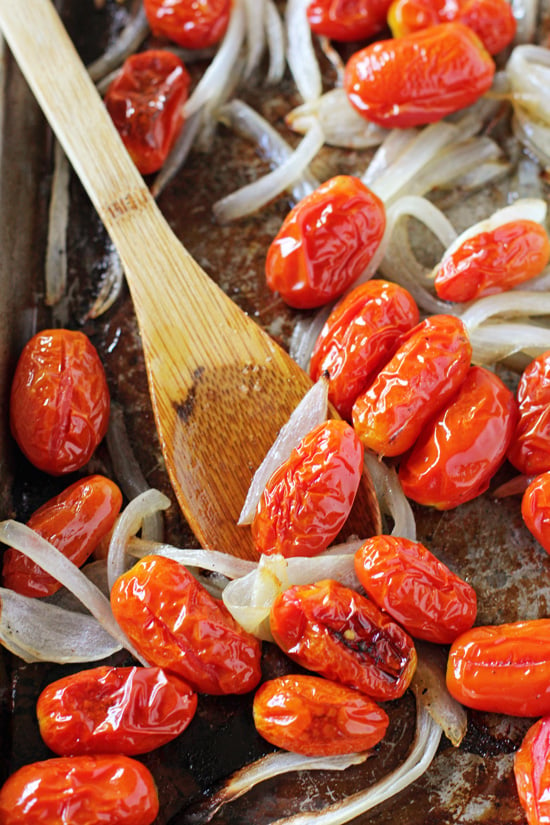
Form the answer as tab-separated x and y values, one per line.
129	40
55	266
430	688
275	35
515	302
213	560
301	56
305	334
423	210
111	285
255	35
391	497
495	341
342	125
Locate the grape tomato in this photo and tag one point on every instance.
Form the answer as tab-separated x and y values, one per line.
530	447
347	20
192	24
535	509
532	772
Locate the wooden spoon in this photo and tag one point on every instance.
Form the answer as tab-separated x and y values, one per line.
220	387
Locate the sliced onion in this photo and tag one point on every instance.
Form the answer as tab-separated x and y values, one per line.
213	560
96	572
535	135
301	56
528	71
513	303
58	217
128	41
389	492
467	165
255	35
341	124
430	688
525	14
493	342
392	147
111	284
305	334
275	35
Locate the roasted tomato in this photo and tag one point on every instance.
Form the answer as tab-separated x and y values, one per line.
535	509
416	589
359	337
308	498
145	102
460	450
177	625
336	632
317	717
75	521
80	790
325	243
59	404
419	78
532	772
347	20
493	261
127	710
423	375
530	448
193	24
503	668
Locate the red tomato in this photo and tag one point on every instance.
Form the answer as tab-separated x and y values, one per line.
425	372
419	78
530	448
127	710
461	449
347	20
59	404
308	498
336	632
80	790
145	102
317	717
325	243
535	509
193	24
493	261
503	668
75	521
361	334
417	590
177	625
532	772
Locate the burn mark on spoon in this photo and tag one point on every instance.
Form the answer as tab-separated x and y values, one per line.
184	409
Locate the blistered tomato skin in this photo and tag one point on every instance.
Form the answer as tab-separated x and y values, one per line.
308	498
347	21
80	790
535	509
317	717
494	261
419	78
503	668
177	625
530	448
74	521
129	710
145	102
423	375
416	589
192	24
325	243
59	403
532	772
460	450
341	635
359	337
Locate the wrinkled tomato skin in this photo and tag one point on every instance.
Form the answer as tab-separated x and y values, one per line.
128	710
74	521
192	24
145	102
59	402
503	668
347	20
535	509
317	717
177	625
308	498
341	635
530	448
457	455
325	243
80	790
419	78
423	375
494	261
532	772
416	589
359	337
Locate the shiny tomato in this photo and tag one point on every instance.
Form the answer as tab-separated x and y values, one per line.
419	78
80	790
59	404
493	261
193	24
532	772
127	710
535	509
425	372
308	498
177	625
416	589
460	450
145	101
336	632
503	668
360	335
347	20
317	717
75	521
530	448
325	243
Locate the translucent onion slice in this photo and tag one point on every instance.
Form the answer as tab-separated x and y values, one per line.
311	411
96	572
255	35
111	284
40	632
275	36
430	688
392	147
528	72
467	165
212	560
128	42
389	492
513	303
525	13
305	334
55	267
493	342
535	135
342	125
301	57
